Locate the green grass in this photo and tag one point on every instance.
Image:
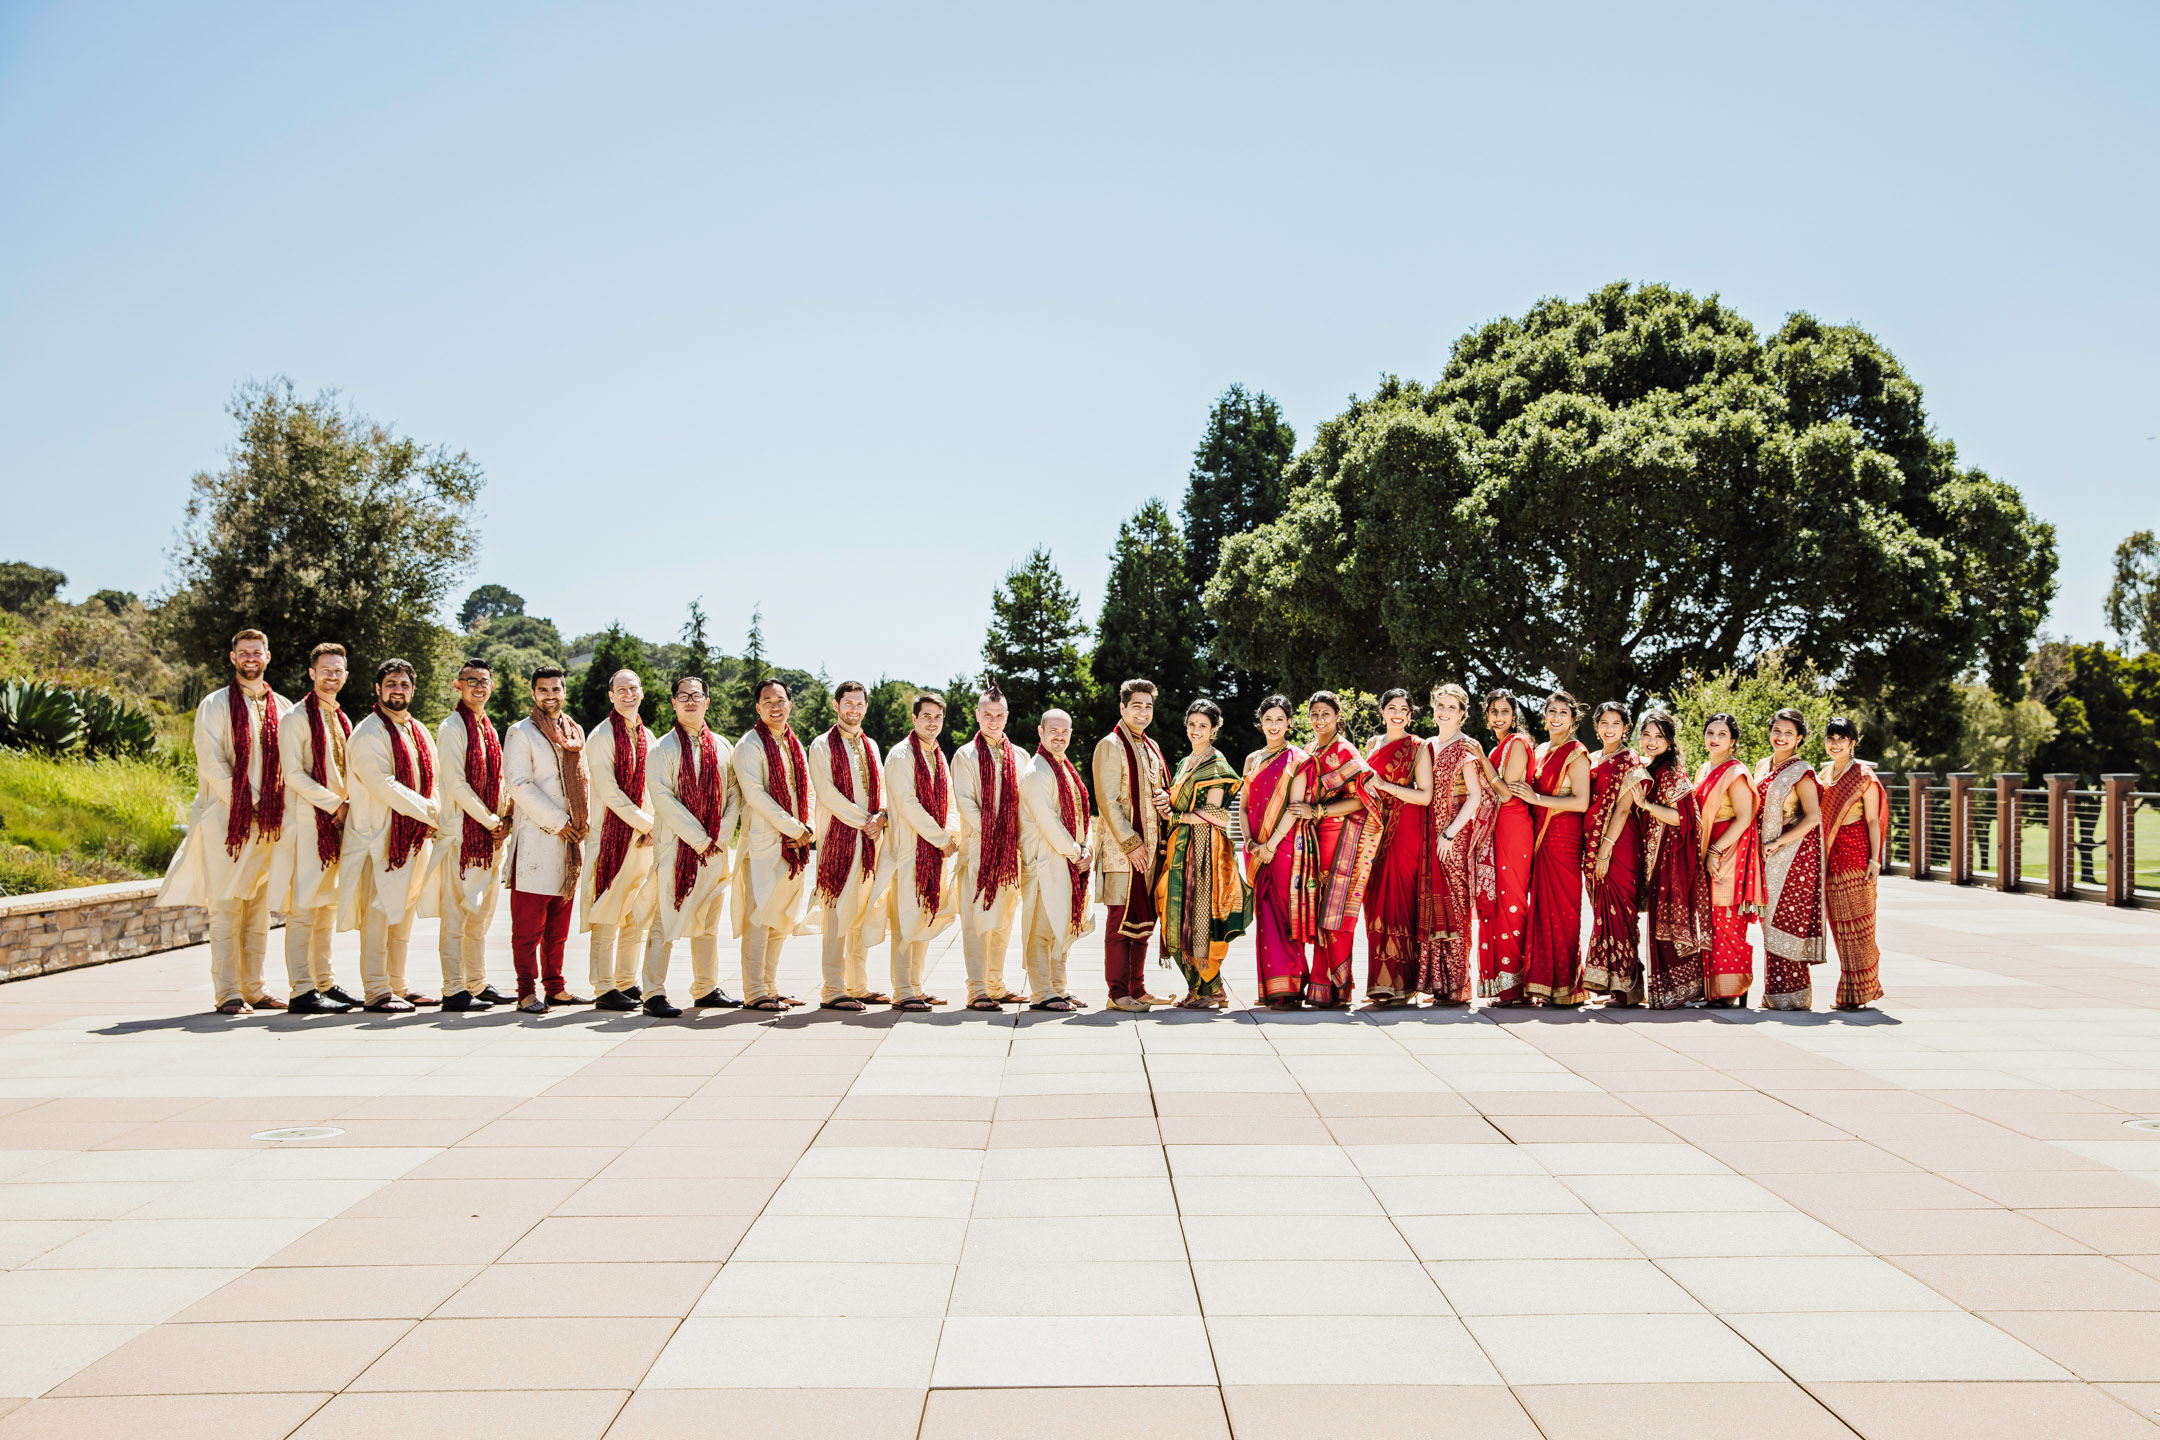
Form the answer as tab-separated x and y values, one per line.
83	822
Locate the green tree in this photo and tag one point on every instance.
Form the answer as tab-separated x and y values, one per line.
24	587
738	696
1777	681
515	645
1613	492
323	525
487	603
1030	651
115	602
2107	712
1149	628
2133	601
616	649
961	693
890	715
1237	483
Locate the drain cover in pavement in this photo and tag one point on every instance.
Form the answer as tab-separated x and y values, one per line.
2141	1124
299	1132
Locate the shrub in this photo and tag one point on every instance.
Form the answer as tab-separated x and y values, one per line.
1777	684
51	719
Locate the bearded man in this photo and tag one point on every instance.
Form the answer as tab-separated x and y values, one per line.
772	881
1054	859
986	784
619	894
915	872
239	812
695	807
551	793
470	861
389	838
848	779
304	868
1130	826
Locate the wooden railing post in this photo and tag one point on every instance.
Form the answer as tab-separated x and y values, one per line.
2009	831
2121	883
2059	872
1916	816
1961	826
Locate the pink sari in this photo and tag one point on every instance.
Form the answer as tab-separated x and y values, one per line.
1334	861
1282	961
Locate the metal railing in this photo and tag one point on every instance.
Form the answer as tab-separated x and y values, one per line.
2058	840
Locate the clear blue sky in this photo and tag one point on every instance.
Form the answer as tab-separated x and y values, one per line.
843	309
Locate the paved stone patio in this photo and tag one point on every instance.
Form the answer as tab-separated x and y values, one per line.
1925	1222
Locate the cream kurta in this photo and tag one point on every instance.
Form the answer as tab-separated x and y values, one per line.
365	879
471	885
1045	847
970	798
860	892
896	865
765	894
674	826
1117	811
202	873
298	880
539	860
620	904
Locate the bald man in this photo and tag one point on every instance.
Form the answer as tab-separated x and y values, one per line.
1054	860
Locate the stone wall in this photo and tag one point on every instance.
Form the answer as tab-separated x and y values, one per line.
64	929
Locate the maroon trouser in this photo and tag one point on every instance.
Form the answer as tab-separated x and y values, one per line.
1124	961
539	926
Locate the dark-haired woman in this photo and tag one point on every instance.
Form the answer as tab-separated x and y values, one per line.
1791	824
1270	855
1559	787
1336	840
1675	893
1201	894
1503	865
1612	861
1462	812
1402	904
1732	862
1856	824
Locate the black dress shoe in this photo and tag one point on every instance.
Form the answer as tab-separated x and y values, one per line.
657	1006
718	1000
634	992
459	1001
494	996
615	1000
314	1002
337	994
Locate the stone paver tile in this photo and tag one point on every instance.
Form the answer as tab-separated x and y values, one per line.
1045	1350
827	1288
1892	1345
1266	1105
2093	1345
104	1297
356	1292
1067	1286
1579	1349
1760	1410
898	1239
606	1239
1560	1287
680	1162
1579	1129
493	1198
1317	1287
682	1197
808	1413
1073	1107
1980	1410
789	1352
1363	1350
1503	1237
1159	1412
477	1414
1090	1238
34	1358
239	1357
1951	1232
2060	1189
957	1107
1243	1130
957	1134
2112	1232
520	1354
1270	1237
576	1289
2035	1282
546	1162
1375	1412
165	1417
1759	1284
471	1239
1875	1190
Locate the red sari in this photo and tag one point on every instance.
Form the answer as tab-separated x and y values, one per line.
1614	966
1402	901
1854	858
1334	861
1792	889
1283	965
1736	896
1552	968
1503	885
1446	966
1675	894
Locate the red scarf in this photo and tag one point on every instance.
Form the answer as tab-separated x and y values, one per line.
933	791
407	835
630	779
329	831
697	785
260	809
1139	922
1073	815
1000	860
483	771
837	854
790	786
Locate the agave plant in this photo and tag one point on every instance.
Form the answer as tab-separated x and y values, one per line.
111	726
38	715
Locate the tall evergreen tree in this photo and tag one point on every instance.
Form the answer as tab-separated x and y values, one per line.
1030	651
1236	484
1149	628
739	698
615	650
